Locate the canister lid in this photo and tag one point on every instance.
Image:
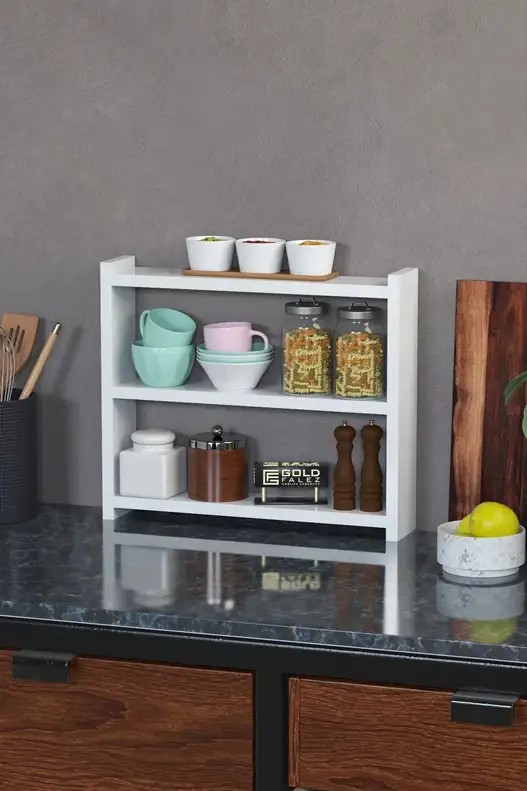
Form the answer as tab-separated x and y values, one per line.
359	310
153	436
306	306
217	440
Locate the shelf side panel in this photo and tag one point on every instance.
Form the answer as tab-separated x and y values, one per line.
118	417
401	425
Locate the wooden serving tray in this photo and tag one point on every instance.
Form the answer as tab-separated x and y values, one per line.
257	276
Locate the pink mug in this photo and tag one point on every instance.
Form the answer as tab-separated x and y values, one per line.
231	336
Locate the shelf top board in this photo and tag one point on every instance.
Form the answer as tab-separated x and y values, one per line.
343	286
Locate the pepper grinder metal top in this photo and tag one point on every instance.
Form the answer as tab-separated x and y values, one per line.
344	474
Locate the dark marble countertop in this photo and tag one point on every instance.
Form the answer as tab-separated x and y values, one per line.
252	580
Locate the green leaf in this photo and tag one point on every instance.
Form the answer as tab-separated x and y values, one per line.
513	385
524	421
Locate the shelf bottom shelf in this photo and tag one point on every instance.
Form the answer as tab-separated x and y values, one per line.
246	509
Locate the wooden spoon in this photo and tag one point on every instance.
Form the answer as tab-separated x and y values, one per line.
22	332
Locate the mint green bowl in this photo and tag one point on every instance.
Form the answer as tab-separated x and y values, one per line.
237	360
257	353
162	366
241	358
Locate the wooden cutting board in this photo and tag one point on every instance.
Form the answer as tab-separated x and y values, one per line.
489	450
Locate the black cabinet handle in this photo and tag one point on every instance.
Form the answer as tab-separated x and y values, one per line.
479	707
42	666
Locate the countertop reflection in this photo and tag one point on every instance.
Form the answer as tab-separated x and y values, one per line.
248	580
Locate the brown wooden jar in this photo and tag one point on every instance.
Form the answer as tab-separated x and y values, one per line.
217	467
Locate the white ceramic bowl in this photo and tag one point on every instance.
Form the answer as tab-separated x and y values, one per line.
260	259
314	260
480	558
235	376
210	256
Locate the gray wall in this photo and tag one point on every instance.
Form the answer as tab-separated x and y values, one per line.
396	127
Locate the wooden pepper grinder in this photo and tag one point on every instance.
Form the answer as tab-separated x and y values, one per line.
371	494
344	475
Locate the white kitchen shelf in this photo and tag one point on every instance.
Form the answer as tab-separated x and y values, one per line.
121	390
262	398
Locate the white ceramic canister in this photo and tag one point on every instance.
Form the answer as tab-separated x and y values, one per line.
153	467
151	574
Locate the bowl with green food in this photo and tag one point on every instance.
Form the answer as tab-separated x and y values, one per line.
210	253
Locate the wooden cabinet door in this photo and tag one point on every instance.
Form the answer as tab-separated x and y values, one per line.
361	737
126	726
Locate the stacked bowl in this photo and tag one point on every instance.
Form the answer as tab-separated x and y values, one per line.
230	357
165	354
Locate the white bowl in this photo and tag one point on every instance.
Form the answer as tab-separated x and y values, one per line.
260	259
210	256
235	376
314	260
480	558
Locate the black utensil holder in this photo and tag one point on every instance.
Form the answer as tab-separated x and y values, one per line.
18	459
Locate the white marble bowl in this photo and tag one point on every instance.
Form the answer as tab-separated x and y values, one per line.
480	558
470	601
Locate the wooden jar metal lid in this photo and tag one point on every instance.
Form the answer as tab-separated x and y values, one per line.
217	441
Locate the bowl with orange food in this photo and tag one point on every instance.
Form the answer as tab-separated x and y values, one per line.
314	257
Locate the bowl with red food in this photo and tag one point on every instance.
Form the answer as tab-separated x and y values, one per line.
260	255
313	257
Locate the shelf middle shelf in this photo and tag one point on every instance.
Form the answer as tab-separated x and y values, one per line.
262	398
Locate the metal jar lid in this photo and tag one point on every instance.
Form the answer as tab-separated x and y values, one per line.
306	306
359	310
217	441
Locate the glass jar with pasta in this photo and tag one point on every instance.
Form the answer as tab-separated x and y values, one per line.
359	352
307	347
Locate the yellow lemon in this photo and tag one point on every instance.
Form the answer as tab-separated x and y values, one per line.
465	528
493	520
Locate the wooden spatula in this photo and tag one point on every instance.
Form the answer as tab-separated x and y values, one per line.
40	363
22	331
